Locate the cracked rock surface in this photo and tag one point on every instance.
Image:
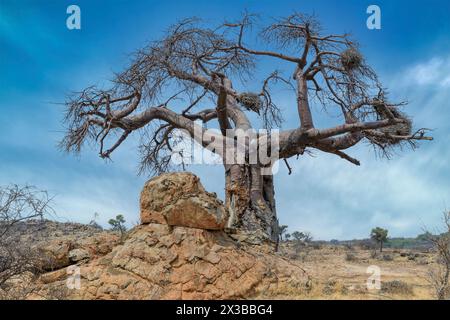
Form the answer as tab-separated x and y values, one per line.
179	199
157	261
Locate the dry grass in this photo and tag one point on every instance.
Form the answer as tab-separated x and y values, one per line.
340	273
396	287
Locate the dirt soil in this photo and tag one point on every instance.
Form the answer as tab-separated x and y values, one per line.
338	272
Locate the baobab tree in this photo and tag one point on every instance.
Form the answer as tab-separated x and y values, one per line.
197	76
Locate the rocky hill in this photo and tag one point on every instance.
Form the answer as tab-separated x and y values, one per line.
180	251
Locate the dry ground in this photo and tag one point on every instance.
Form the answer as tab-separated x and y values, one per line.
335	271
338	272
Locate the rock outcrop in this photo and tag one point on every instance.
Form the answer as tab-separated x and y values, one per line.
162	262
179	199
61	244
179	252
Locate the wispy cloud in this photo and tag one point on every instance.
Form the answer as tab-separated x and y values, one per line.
333	199
435	73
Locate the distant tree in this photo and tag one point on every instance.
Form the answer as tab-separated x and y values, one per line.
118	224
282	229
304	237
287	236
301	239
297	235
93	223
379	235
424	236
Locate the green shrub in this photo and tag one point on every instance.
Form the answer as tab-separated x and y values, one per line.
118	224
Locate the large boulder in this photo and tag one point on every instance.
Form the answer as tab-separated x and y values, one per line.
179	199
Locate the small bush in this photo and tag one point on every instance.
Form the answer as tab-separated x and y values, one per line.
368	244
344	290
302	256
330	287
423	261
387	257
412	256
396	287
348	245
350	256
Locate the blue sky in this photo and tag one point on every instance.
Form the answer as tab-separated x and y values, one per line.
41	61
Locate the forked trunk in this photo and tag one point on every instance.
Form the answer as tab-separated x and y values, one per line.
250	199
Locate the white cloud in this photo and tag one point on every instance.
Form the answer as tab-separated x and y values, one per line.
333	199
435	72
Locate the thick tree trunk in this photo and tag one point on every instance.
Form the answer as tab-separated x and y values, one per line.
250	199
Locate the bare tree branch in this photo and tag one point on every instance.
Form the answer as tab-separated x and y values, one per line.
173	81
